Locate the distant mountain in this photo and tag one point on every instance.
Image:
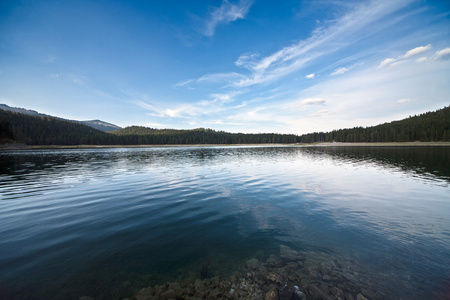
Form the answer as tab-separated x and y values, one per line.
21	110
97	124
101	125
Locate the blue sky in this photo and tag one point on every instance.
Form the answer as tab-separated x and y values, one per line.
237	65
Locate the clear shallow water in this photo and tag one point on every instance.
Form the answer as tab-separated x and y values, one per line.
106	222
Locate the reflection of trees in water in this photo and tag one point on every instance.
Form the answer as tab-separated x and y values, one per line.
427	160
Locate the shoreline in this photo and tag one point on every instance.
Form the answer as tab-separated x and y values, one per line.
382	144
19	146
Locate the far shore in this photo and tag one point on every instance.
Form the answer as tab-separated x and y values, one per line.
18	146
383	144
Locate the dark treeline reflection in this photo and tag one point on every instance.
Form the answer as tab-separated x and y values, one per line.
433	162
425	161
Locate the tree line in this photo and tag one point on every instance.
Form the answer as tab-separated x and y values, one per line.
143	135
426	127
39	130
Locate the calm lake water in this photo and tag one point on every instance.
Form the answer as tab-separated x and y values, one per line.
107	222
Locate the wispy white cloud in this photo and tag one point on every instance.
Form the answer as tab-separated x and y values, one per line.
333	102
175	111
224	97
162	112
386	62
352	100
392	62
347	101
366	19
443	54
397	63
254	115
339	71
217	102
225	14
416	51
185	83
358	100
220	78
247	60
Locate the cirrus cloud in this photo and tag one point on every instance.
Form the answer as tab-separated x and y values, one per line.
225	14
339	71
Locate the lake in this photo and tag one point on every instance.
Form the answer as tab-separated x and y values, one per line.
105	223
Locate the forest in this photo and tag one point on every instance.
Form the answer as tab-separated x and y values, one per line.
38	130
426	127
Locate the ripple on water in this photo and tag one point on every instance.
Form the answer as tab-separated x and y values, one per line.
146	216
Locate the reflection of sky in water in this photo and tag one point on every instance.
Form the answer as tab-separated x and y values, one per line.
393	201
371	204
399	202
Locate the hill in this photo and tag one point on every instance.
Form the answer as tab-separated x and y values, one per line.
101	125
97	124
44	130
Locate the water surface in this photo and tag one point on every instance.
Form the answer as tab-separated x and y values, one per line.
106	222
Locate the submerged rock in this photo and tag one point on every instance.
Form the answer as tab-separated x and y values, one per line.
253	263
170	294
275	277
360	297
271	295
290	276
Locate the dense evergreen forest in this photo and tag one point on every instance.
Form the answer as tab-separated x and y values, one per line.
38	130
46	130
143	135
427	127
